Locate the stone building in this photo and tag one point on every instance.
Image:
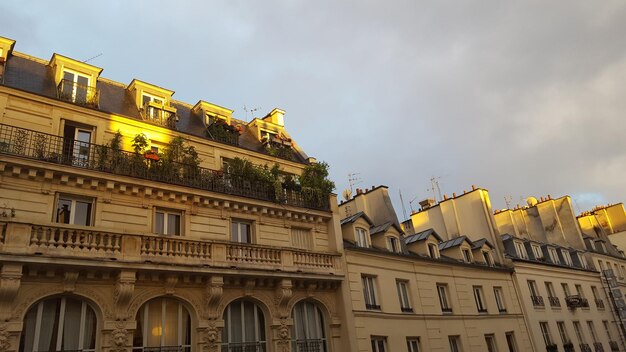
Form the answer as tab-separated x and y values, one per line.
133	221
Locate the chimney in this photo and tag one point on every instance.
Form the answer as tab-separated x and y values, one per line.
427	203
473	187
445	197
453	195
358	191
276	116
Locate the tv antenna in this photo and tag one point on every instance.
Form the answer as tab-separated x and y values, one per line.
353	180
251	111
411	203
93	57
508	200
402	202
434	187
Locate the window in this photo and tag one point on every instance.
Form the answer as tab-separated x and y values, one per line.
369	292
579	332
455	343
361	237
607	328
478	297
534	294
241	231
433	251
488	258
167	222
75	87
490	340
379	343
59	324
74	210
77	144
579	291
467	255
567	258
497	292
302	238
550	289
554	256
308	328
392	244
521	251
563	332
413	344
403	295
244	327
537	252
163	322
510	341
565	287
545	331
592	331
442	290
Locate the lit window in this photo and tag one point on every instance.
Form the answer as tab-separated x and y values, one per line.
403	295
74	210
413	344
490	340
379	343
369	292
497	292
361	237
302	238
478	297
167	222
59	324
442	290
241	231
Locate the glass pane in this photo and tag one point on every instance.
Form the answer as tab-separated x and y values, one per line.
155	328
173	224
170	328
249	322
63	211
68	76
145	99
49	325
71	324
82	215
159	223
245	233
89	336
234	231
82	80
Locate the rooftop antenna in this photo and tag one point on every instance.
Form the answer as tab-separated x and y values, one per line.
251	111
434	187
353	180
411	203
403	207
93	57
508	200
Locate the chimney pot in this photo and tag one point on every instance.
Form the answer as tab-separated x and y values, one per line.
473	187
453	195
445	197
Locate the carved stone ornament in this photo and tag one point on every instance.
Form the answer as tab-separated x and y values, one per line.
119	338
284	292
211	338
5	338
214	292
283	335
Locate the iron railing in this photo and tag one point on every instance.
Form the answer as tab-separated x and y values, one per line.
67	151
537	301
554	301
372	306
598	347
614	345
78	93
584	347
184	348
159	116
406	309
599	303
244	347
309	345
221	132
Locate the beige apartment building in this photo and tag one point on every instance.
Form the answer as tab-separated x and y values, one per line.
130	221
427	291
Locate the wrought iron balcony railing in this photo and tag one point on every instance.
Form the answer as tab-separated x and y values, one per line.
78	94
244	347
537	301
614	346
406	309
598	347
584	347
309	345
554	301
222	132
575	301
599	303
66	151
372	306
186	348
160	115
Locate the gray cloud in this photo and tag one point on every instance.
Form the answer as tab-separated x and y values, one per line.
522	98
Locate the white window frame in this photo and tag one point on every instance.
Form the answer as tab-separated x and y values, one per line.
490	341
166	213
532	287
455	343
362	237
237	237
520	249
488	258
312	327
467	255
545	332
403	295
566	257
444	300
510	341
75	82
392	244
379	343
369	292
554	255
566	290
433	250
538	253
260	335
73	199
479	298
563	332
499	295
413	344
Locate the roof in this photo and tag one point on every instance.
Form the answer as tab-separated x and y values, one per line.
420	236
355	217
481	242
384	227
35	76
453	243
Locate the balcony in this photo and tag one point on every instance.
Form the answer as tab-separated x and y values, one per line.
554	302
584	347
160	114
599	303
568	347
576	301
598	347
614	346
58	150
537	301
222	132
82	242
78	94
552	347
244	347
309	345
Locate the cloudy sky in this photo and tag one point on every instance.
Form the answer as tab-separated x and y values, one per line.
518	97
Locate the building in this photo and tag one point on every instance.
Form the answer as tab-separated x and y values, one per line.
133	221
434	290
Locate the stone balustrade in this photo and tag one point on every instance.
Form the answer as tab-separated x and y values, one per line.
67	241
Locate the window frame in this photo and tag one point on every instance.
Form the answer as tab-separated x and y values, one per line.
498	293
544	327
369	292
563	332
579	332
511	341
166	216
393	244
379	343
567	258
490	341
592	331
444	301
307	242
479	299
362	237
404	296
520	249
74	199
488	257
455	343
433	250
413	344
236	238
537	252
554	255
467	255
75	83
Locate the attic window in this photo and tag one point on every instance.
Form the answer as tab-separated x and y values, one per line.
433	251
392	244
267	136
521	251
467	255
488	258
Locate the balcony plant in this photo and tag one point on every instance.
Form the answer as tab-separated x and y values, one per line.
316	186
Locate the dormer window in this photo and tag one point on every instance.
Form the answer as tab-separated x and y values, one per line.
392	244
76	81
521	251
566	257
467	255
362	238
154	103
537	252
554	256
433	250
488	258
601	247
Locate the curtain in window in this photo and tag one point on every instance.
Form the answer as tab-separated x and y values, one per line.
162	322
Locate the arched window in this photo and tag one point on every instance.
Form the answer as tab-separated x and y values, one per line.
59	324
163	324
308	328
244	328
